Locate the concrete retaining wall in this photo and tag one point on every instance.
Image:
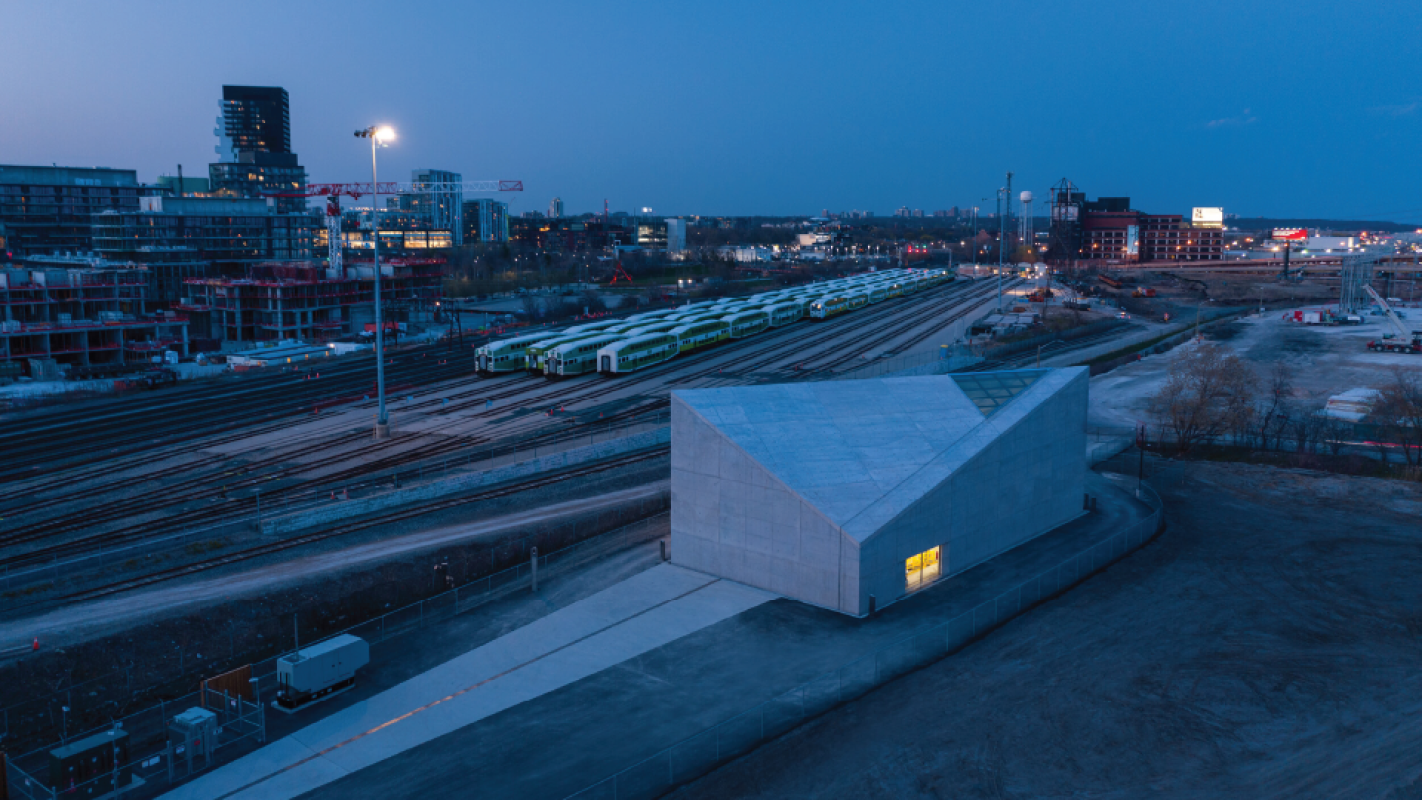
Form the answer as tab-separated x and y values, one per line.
347	509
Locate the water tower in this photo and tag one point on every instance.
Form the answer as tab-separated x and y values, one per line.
1025	228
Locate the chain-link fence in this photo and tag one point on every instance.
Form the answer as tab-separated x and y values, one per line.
699	754
143	753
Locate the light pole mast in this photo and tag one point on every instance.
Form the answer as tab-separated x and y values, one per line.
378	135
1004	211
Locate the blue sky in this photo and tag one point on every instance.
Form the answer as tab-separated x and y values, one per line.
1266	108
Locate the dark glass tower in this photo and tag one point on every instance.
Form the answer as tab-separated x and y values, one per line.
254	147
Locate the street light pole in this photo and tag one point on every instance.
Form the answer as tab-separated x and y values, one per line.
377	136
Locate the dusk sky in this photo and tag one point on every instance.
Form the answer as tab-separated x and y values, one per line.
1299	108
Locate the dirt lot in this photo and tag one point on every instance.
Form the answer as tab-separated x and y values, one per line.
1266	645
1323	361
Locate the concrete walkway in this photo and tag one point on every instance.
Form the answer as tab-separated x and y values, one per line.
643	613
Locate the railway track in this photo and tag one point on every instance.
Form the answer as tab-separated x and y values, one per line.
259	551
885	321
40	450
1052	349
874	341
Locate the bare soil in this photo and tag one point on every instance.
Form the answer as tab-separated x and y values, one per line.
1266	645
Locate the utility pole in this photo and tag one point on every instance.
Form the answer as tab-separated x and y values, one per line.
1004	203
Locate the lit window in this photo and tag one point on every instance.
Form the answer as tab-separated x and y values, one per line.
923	569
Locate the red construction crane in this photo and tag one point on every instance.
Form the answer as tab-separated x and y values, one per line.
358	190
334	191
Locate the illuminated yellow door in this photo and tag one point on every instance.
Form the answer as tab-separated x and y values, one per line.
923	568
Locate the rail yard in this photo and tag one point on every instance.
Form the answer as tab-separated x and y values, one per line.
117	495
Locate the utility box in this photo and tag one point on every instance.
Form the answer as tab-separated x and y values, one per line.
192	736
91	767
319	671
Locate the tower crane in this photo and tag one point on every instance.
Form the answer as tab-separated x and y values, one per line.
334	191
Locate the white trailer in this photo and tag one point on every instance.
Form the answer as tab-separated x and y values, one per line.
320	671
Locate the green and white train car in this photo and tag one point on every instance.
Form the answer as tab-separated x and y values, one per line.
533	354
651	327
697	335
833	305
746	323
784	313
636	353
650	316
505	355
577	358
592	327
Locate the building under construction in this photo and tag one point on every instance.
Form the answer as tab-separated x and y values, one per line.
299	300
83	317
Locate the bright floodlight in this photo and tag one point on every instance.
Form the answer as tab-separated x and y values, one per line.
384	134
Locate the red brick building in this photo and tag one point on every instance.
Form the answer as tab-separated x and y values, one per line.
1112	231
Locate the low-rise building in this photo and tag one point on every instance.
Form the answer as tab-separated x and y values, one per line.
855	494
1110	230
48	210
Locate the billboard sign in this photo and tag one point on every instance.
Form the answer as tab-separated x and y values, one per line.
1291	234
1207	217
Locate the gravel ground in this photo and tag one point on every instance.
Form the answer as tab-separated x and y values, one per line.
1265	646
1324	361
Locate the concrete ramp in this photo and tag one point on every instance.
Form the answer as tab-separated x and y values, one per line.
646	611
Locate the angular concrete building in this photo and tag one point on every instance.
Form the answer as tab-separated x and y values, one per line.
832	493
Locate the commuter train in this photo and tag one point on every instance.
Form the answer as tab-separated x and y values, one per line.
636	353
648	338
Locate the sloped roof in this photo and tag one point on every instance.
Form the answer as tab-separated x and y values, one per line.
844	446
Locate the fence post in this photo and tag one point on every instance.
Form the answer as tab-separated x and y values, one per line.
533	566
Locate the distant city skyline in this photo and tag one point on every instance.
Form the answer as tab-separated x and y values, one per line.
1266	108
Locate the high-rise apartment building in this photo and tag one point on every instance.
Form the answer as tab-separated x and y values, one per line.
255	119
442	199
555	208
486	221
254	147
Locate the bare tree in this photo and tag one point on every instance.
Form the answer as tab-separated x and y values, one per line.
1333	433
1273	413
1399	409
1209	392
1305	427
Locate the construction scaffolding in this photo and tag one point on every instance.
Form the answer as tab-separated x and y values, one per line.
83	317
1357	273
299	300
